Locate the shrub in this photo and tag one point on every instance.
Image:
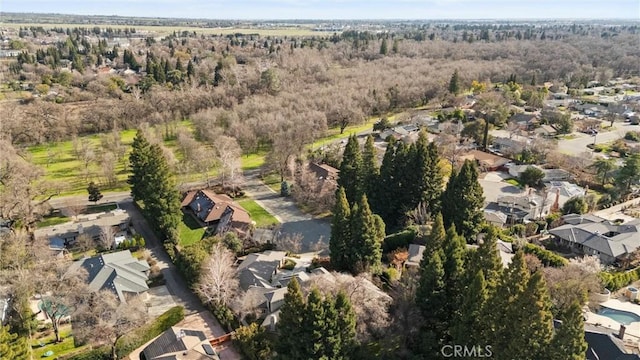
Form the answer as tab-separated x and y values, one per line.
617	280
632	136
289	264
139	337
225	316
253	342
548	258
390	275
398	240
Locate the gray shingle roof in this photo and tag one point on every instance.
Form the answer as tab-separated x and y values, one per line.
604	237
119	272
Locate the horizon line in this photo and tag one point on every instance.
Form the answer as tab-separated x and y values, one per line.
632	19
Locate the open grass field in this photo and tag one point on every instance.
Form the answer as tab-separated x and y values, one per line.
166	30
52	220
190	231
258	214
61	164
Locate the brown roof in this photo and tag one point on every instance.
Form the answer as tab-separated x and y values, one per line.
484	158
220	203
324	171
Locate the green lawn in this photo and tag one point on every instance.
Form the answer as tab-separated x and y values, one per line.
52	220
257	213
59	349
61	165
513	182
253	161
92	209
190	231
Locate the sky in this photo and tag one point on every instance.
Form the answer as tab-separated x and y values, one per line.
337	9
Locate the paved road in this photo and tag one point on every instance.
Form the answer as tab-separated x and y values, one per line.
579	144
293	220
74	200
174	281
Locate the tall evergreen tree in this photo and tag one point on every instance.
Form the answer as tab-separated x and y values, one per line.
292	315
340	241
12	346
435	239
568	342
431	298
331	339
370	170
454	83
487	259
467	327
350	176
315	324
454	254
384	47
346	325
138	160
366	238
383	199
463	201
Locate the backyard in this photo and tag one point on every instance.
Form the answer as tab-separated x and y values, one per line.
190	230
44	343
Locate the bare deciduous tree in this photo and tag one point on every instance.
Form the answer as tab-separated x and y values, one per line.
228	153
104	319
218	281
289	242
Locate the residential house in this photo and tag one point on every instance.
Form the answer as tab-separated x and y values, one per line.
521	208
496	217
217	211
119	272
546	131
324	172
610	242
561	191
524	120
556	175
485	161
603	344
260	269
577	219
108	230
415	255
509	145
178	343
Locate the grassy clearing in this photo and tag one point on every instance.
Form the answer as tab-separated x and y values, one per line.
60	164
59	349
190	231
513	182
253	161
53	220
257	213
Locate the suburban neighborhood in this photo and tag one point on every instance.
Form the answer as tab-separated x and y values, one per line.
198	189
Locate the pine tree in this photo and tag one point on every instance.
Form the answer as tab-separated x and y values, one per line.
463	201
366	239
12	346
435	239
404	186
532	320
454	254
370	170
138	160
384	198
454	83
291	322
487	259
383	47
568	342
350	176
331	339
429	179
315	325
431	299
340	241
191	71
346	326
469	324
94	192
179	65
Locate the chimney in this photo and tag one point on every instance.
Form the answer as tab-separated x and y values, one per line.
199	208
80	229
556	203
623	329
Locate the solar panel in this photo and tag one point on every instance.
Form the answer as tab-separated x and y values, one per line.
208	349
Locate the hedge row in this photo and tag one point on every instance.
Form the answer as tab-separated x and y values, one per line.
548	258
617	280
399	240
137	338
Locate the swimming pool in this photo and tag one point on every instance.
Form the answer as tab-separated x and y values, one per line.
623	317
